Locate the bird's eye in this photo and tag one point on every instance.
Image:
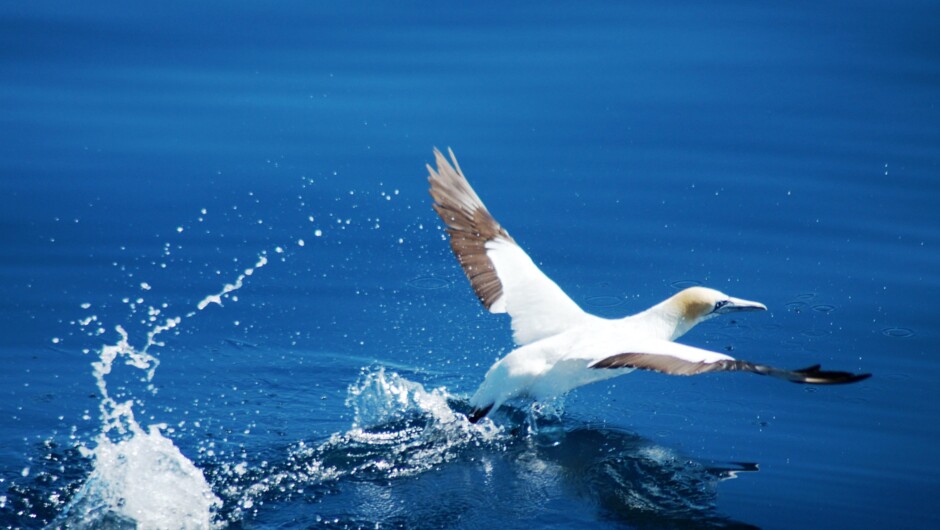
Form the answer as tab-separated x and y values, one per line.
721	303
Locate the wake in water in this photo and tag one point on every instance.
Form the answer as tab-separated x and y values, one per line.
399	430
410	458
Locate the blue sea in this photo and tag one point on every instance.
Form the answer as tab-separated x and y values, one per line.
226	302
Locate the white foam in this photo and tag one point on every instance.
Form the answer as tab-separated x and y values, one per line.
379	398
143	478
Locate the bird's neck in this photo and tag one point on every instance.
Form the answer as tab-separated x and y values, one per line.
666	320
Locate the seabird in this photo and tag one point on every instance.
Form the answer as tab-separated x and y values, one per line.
561	347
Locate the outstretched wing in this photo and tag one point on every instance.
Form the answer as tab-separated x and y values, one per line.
678	359
504	277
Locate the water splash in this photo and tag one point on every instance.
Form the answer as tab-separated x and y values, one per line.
399	429
140	479
544	421
229	287
379	398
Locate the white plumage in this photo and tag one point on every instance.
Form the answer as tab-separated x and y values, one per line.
561	346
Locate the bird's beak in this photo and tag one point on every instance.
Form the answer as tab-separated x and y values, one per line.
736	305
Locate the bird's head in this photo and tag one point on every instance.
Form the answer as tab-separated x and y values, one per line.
697	304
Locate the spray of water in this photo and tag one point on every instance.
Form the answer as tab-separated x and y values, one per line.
140	479
399	429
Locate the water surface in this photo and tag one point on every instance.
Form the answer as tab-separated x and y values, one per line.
153	155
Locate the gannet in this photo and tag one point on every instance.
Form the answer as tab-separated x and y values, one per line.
562	347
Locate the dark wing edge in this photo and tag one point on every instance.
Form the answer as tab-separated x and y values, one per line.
469	225
666	364
478	413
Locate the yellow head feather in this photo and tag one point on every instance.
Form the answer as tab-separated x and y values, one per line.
695	303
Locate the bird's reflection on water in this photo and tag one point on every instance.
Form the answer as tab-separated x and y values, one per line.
422	471
411	459
634	480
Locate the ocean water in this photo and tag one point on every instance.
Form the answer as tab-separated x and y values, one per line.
225	300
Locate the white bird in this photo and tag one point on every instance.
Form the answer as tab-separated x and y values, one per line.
561	347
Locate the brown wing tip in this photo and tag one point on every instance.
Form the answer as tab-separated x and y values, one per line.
469	226
443	164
